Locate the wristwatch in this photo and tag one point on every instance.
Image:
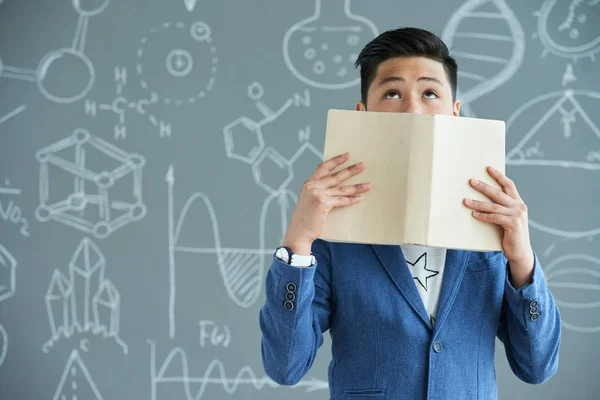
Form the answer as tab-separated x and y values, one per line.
286	255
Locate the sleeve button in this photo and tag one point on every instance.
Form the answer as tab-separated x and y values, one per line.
535	316
291	287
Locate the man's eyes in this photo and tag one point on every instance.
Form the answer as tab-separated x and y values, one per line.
429	94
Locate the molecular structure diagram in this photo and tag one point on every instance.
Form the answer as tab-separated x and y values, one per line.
120	106
61	61
256	153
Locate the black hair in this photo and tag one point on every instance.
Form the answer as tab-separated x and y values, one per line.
403	42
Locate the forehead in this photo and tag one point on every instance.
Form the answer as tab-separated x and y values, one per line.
410	68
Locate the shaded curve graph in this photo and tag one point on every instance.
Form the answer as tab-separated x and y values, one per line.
242	269
214	374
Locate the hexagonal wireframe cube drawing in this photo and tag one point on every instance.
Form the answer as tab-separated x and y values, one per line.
8	280
89	191
243	132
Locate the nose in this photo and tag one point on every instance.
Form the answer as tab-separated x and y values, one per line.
412	106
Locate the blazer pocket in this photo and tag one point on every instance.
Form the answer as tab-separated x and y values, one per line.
364	394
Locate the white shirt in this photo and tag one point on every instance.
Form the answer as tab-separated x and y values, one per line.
426	265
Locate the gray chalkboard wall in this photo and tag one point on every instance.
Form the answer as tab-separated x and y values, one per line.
148	149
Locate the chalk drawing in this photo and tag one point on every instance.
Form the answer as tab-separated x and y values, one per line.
85	302
111	214
321	50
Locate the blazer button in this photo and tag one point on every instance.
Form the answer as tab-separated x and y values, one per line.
291	287
288	305
437	346
535	316
290	296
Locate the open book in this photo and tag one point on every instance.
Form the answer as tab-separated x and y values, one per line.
419	167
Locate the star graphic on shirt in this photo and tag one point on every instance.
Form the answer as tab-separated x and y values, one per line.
420	272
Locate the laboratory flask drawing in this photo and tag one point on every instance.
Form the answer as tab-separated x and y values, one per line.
557	155
569	29
67	61
488	42
69	159
321	50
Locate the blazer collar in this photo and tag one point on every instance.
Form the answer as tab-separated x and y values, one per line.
392	259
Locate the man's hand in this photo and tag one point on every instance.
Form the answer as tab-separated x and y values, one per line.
320	194
508	210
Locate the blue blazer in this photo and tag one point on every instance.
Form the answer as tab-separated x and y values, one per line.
383	344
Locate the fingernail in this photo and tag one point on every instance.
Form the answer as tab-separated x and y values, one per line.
474	181
476	213
492	169
468	201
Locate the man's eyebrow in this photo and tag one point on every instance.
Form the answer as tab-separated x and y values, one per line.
387	79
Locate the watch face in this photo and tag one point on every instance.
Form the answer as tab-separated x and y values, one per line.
282	254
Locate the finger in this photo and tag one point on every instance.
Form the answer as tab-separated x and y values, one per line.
348	190
502	220
487	207
326	166
507	184
343	201
340	176
494	194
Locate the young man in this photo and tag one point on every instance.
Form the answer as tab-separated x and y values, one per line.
407	322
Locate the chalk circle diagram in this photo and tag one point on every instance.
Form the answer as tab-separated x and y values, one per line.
487	39
575	283
3	344
177	62
553	156
569	29
68	61
321	50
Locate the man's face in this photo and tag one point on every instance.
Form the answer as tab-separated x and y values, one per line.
410	85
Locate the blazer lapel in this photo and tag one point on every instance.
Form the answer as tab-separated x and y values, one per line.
454	269
393	261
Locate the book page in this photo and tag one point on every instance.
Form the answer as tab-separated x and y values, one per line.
378	141
463	148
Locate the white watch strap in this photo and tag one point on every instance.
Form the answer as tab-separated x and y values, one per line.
302	261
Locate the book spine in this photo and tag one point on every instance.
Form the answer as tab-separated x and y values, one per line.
419	180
